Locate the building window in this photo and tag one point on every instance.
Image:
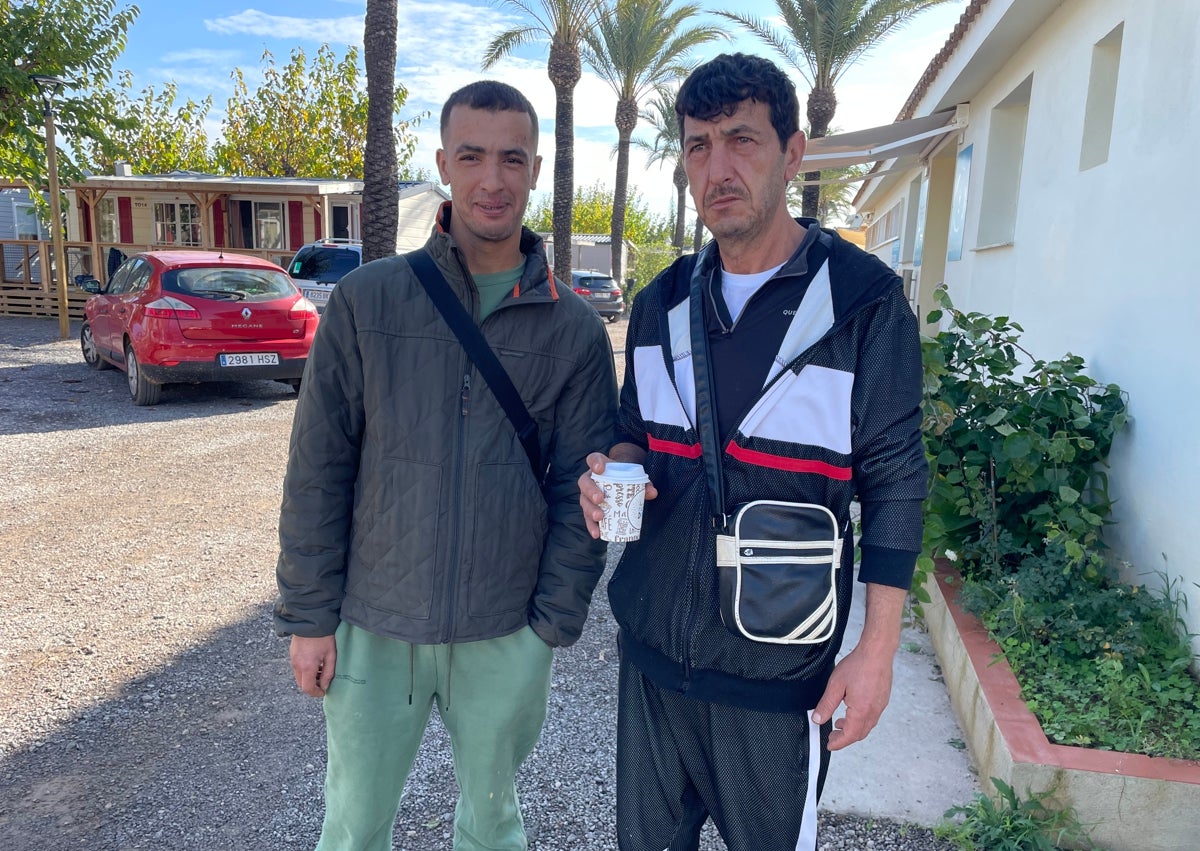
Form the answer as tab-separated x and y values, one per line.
108	227
29	226
261	224
268	225
1101	99
885	228
176	224
1002	167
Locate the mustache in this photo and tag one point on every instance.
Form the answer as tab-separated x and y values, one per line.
725	192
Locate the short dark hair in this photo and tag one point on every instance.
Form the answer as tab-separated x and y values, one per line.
718	86
492	96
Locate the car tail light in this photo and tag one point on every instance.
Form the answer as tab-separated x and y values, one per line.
582	291
303	309
616	292
168	307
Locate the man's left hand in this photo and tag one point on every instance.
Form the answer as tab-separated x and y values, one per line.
863	681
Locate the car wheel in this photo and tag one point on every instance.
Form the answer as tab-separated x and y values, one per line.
613	317
91	352
142	391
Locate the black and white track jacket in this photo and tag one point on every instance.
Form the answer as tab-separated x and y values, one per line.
838	417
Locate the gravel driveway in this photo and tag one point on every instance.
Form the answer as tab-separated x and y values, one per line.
147	704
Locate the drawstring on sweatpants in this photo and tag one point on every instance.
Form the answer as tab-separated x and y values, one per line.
411	672
449	673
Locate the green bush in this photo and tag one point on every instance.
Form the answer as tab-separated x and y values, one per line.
1018	499
1101	663
1015	443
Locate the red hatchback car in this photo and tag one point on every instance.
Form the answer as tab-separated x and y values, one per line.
189	316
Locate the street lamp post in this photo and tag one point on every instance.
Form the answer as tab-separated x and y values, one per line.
50	86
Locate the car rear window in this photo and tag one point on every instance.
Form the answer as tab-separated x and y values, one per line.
593	282
322	263
228	284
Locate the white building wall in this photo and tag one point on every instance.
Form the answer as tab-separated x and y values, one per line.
1101	260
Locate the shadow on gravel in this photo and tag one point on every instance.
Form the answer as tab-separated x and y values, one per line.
217	750
40	397
220	750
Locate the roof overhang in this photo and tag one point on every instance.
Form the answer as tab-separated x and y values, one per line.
225	185
905	143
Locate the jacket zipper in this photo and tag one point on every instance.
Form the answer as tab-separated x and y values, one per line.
452	569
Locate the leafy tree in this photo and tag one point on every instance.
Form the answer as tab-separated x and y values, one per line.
563	23
159	137
77	40
637	47
381	194
660	115
822	40
302	121
592	212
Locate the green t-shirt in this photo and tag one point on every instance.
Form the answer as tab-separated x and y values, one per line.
494	287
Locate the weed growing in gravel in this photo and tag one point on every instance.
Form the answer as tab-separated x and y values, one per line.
1011	823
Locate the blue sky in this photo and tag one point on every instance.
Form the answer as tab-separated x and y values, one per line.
197	45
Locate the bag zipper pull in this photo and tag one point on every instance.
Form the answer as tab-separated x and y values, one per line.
466	393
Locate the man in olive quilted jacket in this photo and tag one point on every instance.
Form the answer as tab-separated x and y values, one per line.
424	560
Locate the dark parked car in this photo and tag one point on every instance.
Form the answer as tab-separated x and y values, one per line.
601	292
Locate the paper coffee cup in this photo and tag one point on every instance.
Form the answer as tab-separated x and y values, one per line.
624	487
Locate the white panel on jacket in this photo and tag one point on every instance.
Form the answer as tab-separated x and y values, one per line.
657	398
812	408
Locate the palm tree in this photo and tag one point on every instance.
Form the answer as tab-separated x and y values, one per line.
824	39
381	191
660	115
563	23
835	192
637	47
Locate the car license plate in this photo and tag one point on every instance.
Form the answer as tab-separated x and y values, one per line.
317	296
251	359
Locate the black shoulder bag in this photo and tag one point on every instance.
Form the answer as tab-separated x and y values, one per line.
480	354
777	562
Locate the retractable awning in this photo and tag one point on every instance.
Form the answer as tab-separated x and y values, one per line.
901	140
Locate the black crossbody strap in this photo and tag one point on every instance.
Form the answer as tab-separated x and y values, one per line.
706	403
480	354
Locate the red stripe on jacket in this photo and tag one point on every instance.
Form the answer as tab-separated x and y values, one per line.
791	465
672	448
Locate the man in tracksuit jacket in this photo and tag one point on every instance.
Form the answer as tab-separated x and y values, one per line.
815	361
423	561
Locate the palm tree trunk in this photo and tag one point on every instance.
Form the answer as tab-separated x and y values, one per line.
681	182
381	193
564	70
822	103
626	120
698	236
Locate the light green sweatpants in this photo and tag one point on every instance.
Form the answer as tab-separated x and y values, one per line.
491	695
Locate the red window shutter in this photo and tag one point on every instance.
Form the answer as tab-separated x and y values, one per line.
296	224
218	215
317	232
85	210
125	219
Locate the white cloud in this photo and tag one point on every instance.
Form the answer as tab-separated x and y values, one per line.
342	30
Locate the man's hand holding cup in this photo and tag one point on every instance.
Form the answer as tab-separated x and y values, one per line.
611	495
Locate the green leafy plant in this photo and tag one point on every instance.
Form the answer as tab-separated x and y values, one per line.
1015	443
1011	823
1101	663
1018	498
